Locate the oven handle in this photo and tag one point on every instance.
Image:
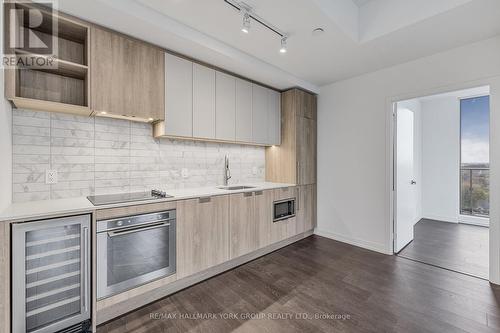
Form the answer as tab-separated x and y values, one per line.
132	230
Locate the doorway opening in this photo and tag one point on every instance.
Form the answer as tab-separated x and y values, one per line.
441	180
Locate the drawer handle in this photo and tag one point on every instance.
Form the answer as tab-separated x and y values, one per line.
259	193
247	194
205	199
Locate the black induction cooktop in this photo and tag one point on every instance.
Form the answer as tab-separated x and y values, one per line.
108	199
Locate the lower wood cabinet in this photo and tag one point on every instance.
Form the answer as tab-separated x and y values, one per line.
250	218
283	229
202	234
306	208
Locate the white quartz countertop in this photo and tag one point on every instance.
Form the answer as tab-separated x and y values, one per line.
34	210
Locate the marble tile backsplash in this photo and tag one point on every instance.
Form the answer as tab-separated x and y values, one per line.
102	155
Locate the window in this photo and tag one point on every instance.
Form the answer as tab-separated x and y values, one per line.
474	156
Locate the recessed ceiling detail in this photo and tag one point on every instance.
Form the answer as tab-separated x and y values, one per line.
357	39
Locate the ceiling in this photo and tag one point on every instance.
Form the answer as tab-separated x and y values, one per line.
360	35
360	3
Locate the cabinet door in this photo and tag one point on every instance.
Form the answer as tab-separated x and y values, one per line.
178	96
259	114
127	76
250	220
306	105
263	216
283	229
202	234
274	117
203	102
306	208
225	107
306	151
244	232
243	111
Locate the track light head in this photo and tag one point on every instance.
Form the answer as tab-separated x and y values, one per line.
283	48
246	22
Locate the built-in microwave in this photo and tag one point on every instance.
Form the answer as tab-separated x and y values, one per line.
283	209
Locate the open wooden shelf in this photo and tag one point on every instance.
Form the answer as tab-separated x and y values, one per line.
61	67
33	104
63	86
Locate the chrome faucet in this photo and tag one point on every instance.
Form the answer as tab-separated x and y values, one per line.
227	171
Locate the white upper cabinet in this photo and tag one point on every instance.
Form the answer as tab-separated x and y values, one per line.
274	117
225	107
243	111
203	102
259	115
178	96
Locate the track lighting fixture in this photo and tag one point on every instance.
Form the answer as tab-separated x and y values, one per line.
248	15
283	44
246	23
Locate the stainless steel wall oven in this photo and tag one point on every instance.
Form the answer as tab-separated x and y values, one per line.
134	250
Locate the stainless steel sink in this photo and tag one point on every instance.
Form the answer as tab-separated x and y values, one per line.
235	188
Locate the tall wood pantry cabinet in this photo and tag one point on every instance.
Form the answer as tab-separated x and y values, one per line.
294	161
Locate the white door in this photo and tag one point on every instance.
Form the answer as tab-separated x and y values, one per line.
406	196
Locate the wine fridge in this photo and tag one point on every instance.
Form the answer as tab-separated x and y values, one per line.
50	275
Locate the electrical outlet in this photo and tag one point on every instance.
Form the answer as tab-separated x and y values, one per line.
50	176
255	171
184	173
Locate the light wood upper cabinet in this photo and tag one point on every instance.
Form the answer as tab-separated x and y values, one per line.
306	105
306	208
127	76
250	217
225	107
203	102
202	234
243	111
178	113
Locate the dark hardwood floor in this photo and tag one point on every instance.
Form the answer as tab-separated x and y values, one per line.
367	291
459	247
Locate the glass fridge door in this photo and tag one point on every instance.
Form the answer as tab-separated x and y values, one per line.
51	274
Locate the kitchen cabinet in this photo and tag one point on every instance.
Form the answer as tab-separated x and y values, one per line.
63	87
283	229
259	114
178	113
306	208
250	217
306	151
243	111
307	105
203	102
294	161
127	77
274	117
202	234
225	107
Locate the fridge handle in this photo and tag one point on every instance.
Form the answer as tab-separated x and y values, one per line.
85	269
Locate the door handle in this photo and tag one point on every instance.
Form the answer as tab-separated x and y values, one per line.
413	182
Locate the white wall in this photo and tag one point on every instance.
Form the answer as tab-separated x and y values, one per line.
440	159
5	137
355	141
